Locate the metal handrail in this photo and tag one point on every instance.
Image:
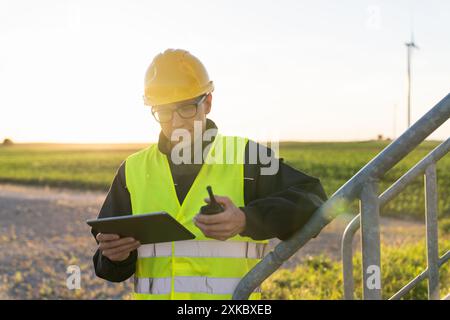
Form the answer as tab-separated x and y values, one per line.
423	275
347	253
375	169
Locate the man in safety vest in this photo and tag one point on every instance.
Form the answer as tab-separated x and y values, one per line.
261	199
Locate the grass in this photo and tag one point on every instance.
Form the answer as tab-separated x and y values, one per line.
321	278
72	166
93	167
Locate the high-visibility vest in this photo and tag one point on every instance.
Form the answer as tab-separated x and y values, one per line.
202	268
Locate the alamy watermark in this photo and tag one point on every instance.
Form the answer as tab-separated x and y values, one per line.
373	281
184	144
373	21
73	280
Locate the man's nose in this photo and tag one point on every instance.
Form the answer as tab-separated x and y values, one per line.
177	121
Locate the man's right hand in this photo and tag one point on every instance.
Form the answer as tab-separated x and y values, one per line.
115	248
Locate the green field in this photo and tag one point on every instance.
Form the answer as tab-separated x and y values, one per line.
93	167
318	277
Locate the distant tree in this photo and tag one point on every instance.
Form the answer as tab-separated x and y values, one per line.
7	142
380	137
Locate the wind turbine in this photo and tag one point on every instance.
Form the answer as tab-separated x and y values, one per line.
409	47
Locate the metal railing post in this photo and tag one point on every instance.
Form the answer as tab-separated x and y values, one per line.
431	203
347	257
370	241
347	239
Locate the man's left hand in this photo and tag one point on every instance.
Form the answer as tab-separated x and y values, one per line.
224	225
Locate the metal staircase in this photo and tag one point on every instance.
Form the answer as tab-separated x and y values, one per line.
364	186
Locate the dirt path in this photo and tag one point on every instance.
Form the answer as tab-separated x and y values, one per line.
43	230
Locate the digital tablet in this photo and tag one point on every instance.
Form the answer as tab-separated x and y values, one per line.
146	228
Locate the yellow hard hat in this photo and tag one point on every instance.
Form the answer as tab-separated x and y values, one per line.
175	75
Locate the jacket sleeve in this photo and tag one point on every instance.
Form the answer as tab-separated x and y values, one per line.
117	203
279	204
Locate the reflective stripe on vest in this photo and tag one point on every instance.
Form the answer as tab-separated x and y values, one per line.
193	248
202	268
187	284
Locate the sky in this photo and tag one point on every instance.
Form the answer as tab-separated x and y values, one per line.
73	71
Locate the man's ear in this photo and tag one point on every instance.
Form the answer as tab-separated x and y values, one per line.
208	103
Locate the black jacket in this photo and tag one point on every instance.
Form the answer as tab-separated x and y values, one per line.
276	206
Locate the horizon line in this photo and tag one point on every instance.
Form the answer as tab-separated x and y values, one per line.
152	142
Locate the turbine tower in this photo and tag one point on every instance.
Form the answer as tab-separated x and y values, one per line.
409	47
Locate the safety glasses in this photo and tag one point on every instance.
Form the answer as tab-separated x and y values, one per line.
186	111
